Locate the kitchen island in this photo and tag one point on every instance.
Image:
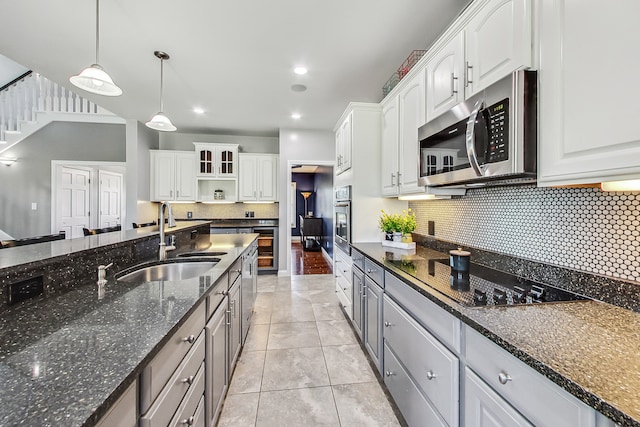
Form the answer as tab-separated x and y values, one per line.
587	348
66	359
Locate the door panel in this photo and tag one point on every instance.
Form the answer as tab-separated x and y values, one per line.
73	199
110	208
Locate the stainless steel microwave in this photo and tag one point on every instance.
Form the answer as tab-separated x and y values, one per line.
491	137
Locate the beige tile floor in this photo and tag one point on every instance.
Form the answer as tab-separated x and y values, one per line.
301	364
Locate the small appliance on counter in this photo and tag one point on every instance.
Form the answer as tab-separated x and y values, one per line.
218	195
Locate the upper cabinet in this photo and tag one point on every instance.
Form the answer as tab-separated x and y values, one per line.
588	110
344	137
216	160
411	117
258	180
390	147
495	41
172	176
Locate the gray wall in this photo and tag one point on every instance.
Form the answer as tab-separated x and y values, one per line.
140	139
29	179
248	144
324	205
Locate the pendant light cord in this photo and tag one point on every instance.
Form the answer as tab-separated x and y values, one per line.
97	30
161	84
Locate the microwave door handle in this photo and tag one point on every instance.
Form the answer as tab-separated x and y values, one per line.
471	136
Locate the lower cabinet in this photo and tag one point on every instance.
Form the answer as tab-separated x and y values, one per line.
235	331
484	407
372	316
217	379
124	412
358	291
342	269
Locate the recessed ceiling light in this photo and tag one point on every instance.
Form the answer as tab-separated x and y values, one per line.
198	110
296	116
300	70
298	88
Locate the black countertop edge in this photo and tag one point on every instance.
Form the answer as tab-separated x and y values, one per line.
458	311
619	292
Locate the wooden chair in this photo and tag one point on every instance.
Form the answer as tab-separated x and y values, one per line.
90	231
146	224
32	240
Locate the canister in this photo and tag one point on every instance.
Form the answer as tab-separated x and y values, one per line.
459	260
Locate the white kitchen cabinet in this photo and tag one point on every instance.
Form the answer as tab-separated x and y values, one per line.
588	110
258	180
495	41
344	138
484	408
342	268
172	176
390	147
412	116
216	160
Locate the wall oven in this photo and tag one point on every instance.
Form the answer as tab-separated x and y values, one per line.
342	218
490	137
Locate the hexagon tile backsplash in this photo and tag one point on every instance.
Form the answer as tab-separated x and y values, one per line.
577	228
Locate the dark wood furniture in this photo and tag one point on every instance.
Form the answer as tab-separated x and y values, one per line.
146	224
32	240
90	231
311	233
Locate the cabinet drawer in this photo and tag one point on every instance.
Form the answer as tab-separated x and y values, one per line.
437	321
188	410
156	374
536	397
234	272
414	407
374	271
358	259
344	286
123	413
216	295
183	381
482	406
431	366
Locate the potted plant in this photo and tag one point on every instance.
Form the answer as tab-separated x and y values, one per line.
389	224
400	226
407	225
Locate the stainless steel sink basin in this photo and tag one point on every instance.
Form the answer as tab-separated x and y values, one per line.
201	254
169	271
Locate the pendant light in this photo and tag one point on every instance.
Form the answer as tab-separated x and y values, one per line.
160	121
93	78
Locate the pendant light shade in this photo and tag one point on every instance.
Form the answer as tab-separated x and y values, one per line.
93	78
160	121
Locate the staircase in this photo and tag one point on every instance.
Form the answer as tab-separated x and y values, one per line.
30	102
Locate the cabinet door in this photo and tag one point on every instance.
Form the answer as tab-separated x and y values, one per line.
373	319
588	111
411	107
268	178
235	333
185	177
389	157
484	408
498	42
216	361
205	160
226	161
357	286
347	138
163	177
247	181
445	77
339	151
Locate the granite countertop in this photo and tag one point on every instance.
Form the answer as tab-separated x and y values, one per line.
238	222
589	348
65	360
19	255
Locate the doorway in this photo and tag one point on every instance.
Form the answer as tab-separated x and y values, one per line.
311	218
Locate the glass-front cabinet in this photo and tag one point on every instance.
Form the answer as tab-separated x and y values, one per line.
216	160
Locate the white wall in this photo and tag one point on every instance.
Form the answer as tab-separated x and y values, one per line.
298	146
140	140
248	144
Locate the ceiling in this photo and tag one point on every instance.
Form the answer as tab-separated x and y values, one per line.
234	59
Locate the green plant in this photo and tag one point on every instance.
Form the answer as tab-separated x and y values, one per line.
404	223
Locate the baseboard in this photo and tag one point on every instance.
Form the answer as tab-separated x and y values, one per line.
327	257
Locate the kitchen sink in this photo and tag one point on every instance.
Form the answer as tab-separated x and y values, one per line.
201	254
169	271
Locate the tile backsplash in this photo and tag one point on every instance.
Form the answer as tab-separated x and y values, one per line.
225	210
577	228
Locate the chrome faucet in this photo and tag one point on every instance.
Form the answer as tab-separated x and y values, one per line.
162	252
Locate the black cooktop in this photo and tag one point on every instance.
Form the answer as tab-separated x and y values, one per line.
482	286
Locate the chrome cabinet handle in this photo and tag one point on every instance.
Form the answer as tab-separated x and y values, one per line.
177	193
453	81
466	74
470	137
190	339
430	375
188	421
387	324
228	316
389	373
188	380
504	378
393	175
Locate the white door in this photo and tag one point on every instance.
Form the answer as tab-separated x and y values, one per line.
110	199
73	199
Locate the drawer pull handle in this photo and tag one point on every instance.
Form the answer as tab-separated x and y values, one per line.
344	289
504	378
189	421
188	380
387	324
389	373
431	375
190	339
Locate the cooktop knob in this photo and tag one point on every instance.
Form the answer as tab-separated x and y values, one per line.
519	295
499	296
479	297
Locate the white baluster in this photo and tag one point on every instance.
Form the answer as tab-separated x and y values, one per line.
41	93
56	97
34	95
48	102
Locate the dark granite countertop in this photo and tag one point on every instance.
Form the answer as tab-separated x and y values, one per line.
589	348
64	360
